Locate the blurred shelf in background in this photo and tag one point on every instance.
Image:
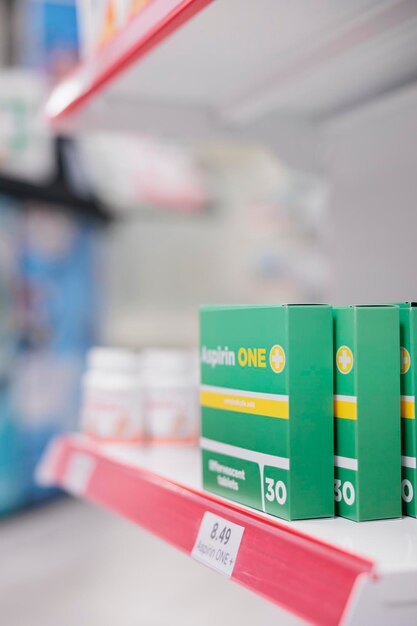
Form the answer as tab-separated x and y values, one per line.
236	70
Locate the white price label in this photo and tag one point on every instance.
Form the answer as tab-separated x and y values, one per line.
46	469
217	544
78	473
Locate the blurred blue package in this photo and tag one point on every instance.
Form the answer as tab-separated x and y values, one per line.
51	40
13	477
14	480
59	321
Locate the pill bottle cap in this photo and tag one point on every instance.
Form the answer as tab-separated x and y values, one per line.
113	359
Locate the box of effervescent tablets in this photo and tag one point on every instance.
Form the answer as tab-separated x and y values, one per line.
367	412
267	407
408	352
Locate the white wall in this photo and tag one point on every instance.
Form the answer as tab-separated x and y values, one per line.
372	166
161	267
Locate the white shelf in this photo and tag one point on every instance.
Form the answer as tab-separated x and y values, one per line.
330	572
390	544
203	69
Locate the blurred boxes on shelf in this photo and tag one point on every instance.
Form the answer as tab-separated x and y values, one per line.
13	478
49	318
49	35
60	312
101	20
26	148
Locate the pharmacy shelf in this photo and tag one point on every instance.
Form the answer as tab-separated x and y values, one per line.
329	572
199	69
152	24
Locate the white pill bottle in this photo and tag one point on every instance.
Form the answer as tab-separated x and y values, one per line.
170	396
112	405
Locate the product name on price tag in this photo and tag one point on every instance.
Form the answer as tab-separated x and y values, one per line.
217	544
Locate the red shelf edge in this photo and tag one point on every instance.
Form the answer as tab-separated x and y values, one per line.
302	574
85	89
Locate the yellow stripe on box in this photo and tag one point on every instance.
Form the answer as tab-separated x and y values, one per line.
408	407
345	407
245	403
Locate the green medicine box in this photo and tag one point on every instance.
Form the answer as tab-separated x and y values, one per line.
266	403
408	340
367	412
